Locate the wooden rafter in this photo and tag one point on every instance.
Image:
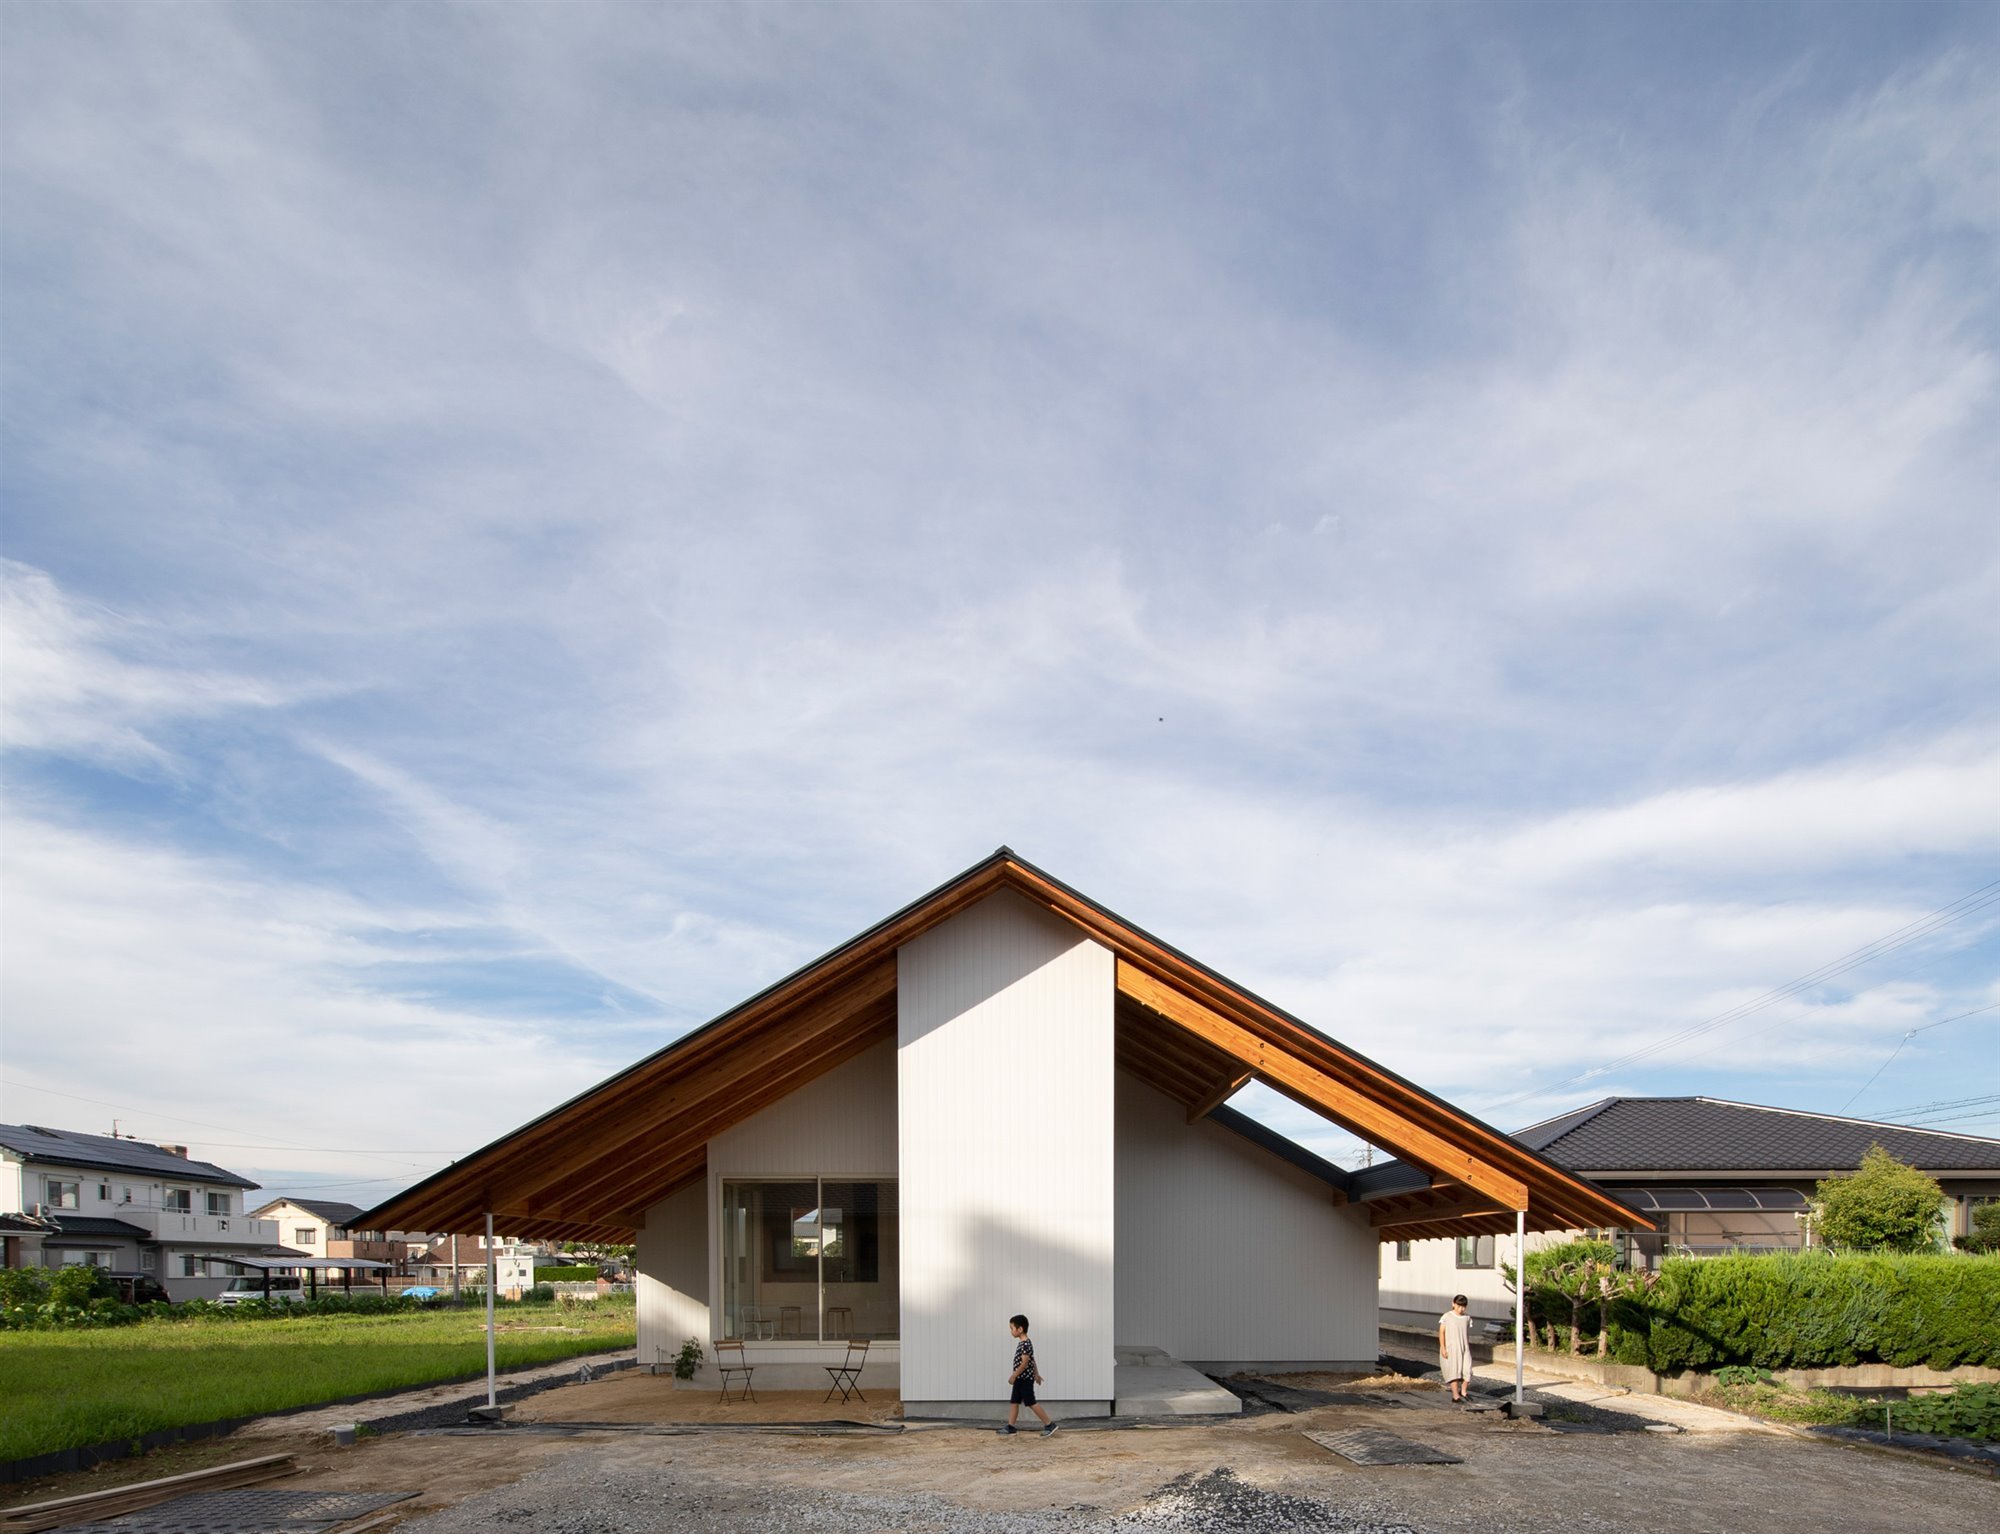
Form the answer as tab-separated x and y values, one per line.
1226	1087
1341	1100
596	1163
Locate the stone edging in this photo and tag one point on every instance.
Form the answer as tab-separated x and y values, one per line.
1643	1381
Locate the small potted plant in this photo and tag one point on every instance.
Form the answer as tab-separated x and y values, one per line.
686	1361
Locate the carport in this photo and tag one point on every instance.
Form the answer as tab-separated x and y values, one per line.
311	1266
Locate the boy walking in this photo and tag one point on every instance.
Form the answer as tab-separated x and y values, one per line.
1022	1382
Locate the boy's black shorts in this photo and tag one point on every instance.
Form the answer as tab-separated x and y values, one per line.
1024	1391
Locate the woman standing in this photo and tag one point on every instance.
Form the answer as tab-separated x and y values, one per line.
1455	1347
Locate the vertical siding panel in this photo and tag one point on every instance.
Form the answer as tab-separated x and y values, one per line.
842	1124
1227	1254
1005	1103
671	1258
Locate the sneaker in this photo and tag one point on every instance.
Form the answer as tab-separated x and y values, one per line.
1005	1429
1048	1430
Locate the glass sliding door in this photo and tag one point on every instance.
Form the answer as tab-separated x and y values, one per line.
770	1259
859	1260
809	1259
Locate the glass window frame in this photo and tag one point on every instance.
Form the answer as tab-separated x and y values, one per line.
819	1184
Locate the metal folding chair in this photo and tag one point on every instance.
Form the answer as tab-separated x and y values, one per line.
846	1376
729	1362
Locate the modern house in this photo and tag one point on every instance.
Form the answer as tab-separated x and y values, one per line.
130	1206
1002	1098
325	1228
1711	1176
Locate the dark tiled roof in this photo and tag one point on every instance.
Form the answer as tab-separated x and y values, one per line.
333	1213
1708	1134
65	1147
1279	1146
22	1224
96	1226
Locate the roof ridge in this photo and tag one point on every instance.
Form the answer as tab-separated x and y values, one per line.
1841	1118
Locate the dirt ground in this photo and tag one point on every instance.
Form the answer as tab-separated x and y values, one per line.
673	1459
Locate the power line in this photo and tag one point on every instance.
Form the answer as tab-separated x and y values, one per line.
1890	942
1927	1027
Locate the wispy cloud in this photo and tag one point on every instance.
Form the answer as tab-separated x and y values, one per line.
580	513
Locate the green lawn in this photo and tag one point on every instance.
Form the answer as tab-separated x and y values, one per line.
66	1390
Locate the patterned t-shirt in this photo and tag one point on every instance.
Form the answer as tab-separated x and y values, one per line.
1024	1351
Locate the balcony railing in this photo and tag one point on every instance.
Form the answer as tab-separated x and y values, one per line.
183	1228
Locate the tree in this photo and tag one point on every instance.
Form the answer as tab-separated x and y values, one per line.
1884	1206
1985	1236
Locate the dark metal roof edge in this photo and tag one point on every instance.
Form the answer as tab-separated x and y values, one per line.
1221	979
999	855
1267	1138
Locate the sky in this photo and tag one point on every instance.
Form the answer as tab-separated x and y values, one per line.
524	524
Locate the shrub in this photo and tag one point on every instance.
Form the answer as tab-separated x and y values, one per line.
1985	1233
574	1275
1813	1310
1562	1284
62	1299
1969	1411
1884	1206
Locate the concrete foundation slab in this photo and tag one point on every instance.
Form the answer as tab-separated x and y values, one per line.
1149	1383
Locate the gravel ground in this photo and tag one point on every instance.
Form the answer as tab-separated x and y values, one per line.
1218	1502
1259	1477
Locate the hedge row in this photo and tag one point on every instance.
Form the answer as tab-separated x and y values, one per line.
1813	1311
572	1275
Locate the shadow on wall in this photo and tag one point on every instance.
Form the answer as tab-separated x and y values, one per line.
963	1349
1007	956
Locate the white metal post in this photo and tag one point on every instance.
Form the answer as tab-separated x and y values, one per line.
492	1274
1520	1301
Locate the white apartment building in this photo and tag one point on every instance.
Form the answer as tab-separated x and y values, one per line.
130	1206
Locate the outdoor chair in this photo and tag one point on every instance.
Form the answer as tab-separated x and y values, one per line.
846	1376
729	1362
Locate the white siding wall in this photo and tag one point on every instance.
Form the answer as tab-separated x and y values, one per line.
841	1125
1006	1109
673	1287
1418	1291
1229	1255
10	1188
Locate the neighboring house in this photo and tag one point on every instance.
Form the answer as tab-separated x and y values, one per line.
1002	1098
1714	1176
21	1237
131	1206
464	1257
323	1228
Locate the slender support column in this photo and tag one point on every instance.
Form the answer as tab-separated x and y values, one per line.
492	1275
1520	1300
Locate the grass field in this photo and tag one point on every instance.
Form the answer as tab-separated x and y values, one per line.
67	1390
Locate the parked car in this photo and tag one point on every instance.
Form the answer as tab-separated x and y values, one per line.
285	1290
140	1289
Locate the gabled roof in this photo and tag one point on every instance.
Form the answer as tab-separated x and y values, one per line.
591	1166
347	1216
1683	1135
65	1147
